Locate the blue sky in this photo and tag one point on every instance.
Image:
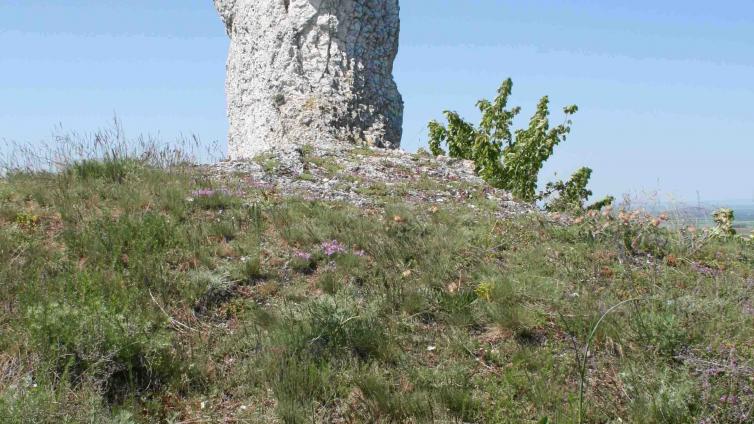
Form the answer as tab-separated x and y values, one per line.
665	88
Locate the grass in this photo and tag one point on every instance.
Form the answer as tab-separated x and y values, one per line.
126	297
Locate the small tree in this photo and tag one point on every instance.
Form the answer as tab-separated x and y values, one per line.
507	159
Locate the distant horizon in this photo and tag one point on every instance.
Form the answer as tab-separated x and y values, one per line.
692	203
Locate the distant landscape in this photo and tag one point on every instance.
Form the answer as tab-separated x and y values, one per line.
702	215
695	213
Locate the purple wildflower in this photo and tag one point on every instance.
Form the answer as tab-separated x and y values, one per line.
304	256
333	247
729	399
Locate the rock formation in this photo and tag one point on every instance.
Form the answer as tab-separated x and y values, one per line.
311	72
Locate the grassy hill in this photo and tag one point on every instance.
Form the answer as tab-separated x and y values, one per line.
132	293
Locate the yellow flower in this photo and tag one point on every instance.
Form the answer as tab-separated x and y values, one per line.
484	290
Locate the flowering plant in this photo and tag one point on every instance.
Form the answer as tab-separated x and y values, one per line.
332	248
303	262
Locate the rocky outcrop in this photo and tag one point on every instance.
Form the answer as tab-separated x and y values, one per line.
366	178
312	72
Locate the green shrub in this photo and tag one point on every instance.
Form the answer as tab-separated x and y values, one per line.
508	159
571	195
102	340
310	344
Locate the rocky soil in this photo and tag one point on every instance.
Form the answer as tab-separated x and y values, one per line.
366	177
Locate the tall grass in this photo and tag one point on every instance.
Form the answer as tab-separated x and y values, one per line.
109	145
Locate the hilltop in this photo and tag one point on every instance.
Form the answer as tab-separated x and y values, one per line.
356	285
365	177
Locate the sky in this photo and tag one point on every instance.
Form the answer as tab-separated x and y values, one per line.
665	89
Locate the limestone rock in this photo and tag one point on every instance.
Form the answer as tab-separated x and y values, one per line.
365	177
313	72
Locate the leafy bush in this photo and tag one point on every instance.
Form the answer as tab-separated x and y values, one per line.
508	159
571	195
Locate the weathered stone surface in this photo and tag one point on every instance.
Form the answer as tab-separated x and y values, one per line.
313	72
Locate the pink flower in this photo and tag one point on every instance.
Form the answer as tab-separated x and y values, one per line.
304	256
730	399
333	247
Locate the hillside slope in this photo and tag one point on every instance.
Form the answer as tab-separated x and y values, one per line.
356	286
